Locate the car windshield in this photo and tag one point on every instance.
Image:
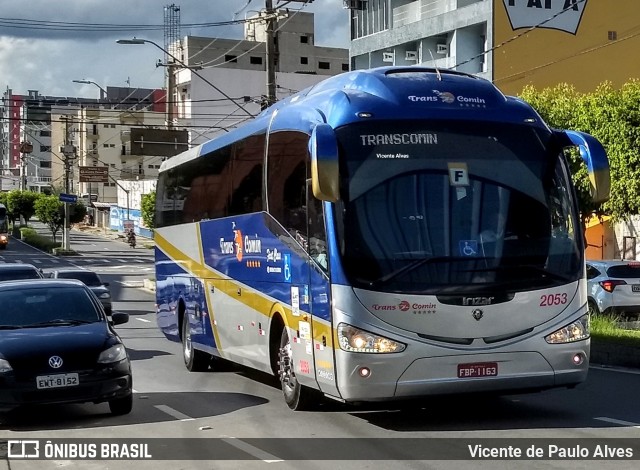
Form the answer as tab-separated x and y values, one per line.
18	274
46	305
89	278
430	206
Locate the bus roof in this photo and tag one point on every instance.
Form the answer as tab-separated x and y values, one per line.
397	93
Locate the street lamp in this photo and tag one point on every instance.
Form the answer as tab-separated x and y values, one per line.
192	69
103	92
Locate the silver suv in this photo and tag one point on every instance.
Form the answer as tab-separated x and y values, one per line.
613	288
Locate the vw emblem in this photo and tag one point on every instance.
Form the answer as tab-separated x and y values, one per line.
55	362
477	314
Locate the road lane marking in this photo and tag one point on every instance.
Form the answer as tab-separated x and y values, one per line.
619	421
144	320
251	450
174	413
616	369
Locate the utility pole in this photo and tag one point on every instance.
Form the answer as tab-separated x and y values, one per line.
271	18
69	153
171	91
271	53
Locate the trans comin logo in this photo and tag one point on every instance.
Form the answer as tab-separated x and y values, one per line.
563	15
405	306
240	244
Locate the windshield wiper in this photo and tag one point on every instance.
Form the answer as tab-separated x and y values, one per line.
57	322
531	267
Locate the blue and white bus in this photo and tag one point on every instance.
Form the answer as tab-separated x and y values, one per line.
385	234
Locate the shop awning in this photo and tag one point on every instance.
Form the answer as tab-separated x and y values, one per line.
102	205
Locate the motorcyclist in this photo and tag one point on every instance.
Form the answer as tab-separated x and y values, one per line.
131	238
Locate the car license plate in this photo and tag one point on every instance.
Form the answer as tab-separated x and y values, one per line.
58	380
635	288
478	369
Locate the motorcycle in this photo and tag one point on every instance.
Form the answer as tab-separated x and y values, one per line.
131	238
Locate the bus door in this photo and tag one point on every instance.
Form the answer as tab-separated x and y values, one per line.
319	295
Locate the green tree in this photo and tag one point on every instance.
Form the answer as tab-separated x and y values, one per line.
148	208
3	200
613	117
77	212
21	203
50	211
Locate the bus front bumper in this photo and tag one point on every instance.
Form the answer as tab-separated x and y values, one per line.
504	372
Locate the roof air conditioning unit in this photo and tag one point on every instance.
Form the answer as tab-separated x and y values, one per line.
388	57
411	55
442	49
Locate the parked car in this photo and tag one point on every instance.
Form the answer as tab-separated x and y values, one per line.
57	346
16	271
613	287
91	279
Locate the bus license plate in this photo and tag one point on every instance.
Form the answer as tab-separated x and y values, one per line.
58	380
635	288
479	369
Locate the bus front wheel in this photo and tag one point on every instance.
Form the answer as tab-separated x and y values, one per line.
194	360
298	397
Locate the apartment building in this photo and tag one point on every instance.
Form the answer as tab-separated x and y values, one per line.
97	130
514	43
225	83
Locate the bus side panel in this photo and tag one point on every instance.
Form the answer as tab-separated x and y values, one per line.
265	266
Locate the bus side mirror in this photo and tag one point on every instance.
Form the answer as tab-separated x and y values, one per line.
323	147
595	157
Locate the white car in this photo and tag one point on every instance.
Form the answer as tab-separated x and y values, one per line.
613	287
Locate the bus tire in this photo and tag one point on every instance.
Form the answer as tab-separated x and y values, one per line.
194	359
298	397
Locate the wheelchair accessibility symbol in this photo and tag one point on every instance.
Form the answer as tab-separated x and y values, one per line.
468	247
287	267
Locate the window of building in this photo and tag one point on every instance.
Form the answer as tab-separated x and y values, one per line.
304	60
613	35
255	60
45	133
113	165
324	65
345	67
45	148
230	58
45	164
105	146
304	39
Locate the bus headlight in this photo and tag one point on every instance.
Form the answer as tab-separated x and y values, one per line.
576	331
354	339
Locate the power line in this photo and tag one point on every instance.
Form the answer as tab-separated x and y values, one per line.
526	31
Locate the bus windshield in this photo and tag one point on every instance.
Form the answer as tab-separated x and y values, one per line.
428	207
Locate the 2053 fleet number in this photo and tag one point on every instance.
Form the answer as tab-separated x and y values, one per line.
549	300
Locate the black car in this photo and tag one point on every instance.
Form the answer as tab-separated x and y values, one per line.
57	346
15	271
91	279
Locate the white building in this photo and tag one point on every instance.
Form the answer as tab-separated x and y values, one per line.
236	72
432	33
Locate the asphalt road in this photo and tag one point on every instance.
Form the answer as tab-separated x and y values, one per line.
233	405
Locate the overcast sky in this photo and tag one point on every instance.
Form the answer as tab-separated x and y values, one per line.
36	53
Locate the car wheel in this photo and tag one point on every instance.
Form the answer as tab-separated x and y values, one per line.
194	359
593	308
298	397
121	406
